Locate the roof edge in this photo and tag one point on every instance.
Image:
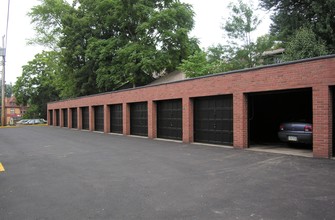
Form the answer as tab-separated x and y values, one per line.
207	76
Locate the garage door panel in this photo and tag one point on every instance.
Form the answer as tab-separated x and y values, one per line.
51	117
65	118
223	113
211	125
213	119
202	125
57	117
169	119
225	125
224	138
139	119
116	118
74	118
206	113
223	103
99	118
85	118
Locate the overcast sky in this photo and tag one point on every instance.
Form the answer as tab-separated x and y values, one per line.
208	20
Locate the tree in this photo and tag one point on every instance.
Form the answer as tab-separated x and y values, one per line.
198	65
105	44
149	37
291	15
241	22
216	59
8	90
240	52
304	44
239	26
38	83
47	20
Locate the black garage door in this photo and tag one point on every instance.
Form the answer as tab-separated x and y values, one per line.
51	122
85	118
65	118
74	117
99	118
116	121
57	117
213	119
169	119
139	119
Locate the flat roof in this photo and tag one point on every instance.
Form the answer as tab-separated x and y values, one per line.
208	76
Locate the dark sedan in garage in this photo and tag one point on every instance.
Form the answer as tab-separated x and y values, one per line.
296	132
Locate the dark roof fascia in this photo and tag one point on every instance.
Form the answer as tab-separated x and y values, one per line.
207	76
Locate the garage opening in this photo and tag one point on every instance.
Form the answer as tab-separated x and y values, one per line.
74	115
268	111
116	119
85	118
169	119
65	118
51	121
139	119
57	117
213	120
99	118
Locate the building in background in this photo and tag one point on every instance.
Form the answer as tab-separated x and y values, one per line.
273	56
14	112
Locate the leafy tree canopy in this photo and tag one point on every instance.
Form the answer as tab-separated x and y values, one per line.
291	15
223	58
304	44
199	64
241	22
47	20
38	83
240	52
107	43
239	27
8	90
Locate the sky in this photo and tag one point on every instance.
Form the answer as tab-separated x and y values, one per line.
208	18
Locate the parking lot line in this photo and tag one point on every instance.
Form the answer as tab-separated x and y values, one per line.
2	169
8	127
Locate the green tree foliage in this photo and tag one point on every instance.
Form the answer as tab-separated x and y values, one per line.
304	44
240	52
198	64
291	15
241	22
47	19
238	27
38	84
33	112
107	43
223	58
8	90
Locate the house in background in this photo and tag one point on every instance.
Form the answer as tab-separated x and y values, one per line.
273	56
14	112
169	77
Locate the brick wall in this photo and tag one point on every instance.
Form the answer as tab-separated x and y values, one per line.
318	74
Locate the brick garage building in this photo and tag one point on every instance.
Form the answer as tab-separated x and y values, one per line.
230	97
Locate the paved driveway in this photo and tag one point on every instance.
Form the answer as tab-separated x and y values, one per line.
56	173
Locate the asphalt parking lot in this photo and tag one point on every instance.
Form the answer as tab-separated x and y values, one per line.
57	173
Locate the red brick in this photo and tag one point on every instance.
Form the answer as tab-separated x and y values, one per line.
318	74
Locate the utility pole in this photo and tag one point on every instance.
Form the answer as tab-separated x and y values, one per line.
3	89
